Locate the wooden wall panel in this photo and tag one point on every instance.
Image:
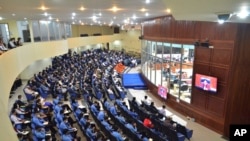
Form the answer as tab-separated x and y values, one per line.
228	61
221	74
202	54
216	106
221	56
238	104
198	98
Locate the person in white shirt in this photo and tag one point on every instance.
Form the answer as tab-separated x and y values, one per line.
163	110
11	43
2	46
146	100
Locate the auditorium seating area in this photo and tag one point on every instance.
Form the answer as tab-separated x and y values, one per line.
83	96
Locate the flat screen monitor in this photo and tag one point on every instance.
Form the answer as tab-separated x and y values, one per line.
206	83
162	92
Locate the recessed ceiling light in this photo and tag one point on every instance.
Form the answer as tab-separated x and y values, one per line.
134	17
57	20
72	18
25	18
221	21
146	14
114	9
243	13
82	8
143	10
147	1
168	10
73	14
50	18
1	18
43	8
46	14
13	14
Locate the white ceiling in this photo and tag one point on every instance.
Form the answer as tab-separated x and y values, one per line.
201	10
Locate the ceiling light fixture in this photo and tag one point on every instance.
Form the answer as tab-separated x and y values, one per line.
46	14
147	1
134	17
243	13
43	8
73	14
168	10
13	14
143	10
1	18
82	8
146	14
114	9
221	21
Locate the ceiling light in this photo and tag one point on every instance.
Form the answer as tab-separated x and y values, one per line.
82	8
57	20
221	21
100	14
13	14
73	14
147	1
94	18
1	18
168	10
146	14
46	14
243	14
73	22
143	10
50	18
25	18
134	17
43	8
72	18
114	9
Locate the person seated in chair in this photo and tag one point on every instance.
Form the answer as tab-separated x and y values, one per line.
147	122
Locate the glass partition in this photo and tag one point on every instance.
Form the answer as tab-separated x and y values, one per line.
169	65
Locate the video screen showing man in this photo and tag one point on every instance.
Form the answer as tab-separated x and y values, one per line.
205	84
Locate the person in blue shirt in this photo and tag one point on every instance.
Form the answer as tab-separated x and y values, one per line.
84	121
101	115
120	118
91	131
94	109
113	110
132	127
37	121
68	137
107	124
39	134
117	134
74	104
106	103
65	126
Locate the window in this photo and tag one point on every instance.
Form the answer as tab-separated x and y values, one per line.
169	65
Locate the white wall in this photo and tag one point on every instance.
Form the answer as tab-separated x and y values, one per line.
35	67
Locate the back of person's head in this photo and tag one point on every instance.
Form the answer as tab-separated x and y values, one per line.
163	106
145	97
19	96
115	128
